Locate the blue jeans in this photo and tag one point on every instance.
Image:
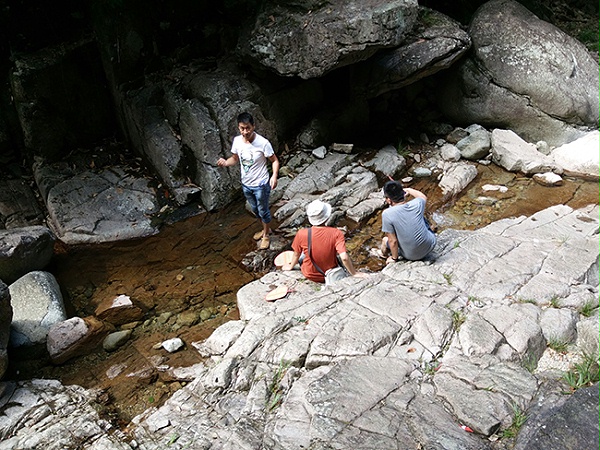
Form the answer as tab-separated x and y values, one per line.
258	197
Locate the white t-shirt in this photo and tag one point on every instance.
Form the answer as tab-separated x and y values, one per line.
253	159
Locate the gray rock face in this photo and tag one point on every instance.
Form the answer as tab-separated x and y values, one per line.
476	145
402	359
435	44
573	424
309	42
516	155
107	206
186	159
18	205
580	157
153	137
387	161
316	358
5	320
71	408
75	337
526	74
37	305
349	188
23	250
456	177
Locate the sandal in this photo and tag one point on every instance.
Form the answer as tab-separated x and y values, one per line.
257	236
265	242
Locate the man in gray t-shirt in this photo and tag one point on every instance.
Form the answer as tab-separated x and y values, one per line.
407	232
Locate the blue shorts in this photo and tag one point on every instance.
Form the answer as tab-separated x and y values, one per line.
258	197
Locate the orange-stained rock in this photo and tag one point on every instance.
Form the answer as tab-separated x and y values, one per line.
76	337
119	310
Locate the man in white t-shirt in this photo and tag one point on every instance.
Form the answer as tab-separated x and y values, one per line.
252	151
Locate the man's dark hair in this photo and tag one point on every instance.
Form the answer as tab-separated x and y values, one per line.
245	117
394	191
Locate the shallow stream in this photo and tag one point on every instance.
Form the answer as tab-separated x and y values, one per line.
187	277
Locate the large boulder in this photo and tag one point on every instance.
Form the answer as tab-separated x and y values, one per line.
580	157
413	356
435	44
387	161
572	423
184	124
93	207
18	205
75	337
23	250
306	371
5	319
516	155
152	136
37	305
525	74
310	41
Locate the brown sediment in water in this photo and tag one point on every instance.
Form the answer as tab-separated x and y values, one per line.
186	280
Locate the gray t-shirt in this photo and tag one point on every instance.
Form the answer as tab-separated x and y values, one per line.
407	222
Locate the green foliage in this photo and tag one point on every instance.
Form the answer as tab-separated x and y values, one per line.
402	151
458	318
582	374
558	345
519	419
529	362
427	17
448	278
474	301
588	308
588	35
172	440
555	302
527	300
431	367
275	389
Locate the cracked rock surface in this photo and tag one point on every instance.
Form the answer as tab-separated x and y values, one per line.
406	358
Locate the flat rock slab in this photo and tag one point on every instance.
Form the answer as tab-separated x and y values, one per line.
406	358
107	206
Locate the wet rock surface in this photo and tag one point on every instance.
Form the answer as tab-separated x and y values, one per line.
410	354
137	376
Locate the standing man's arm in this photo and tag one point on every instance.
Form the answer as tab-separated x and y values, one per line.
231	161
275	165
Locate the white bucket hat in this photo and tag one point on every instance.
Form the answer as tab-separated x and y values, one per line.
318	212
